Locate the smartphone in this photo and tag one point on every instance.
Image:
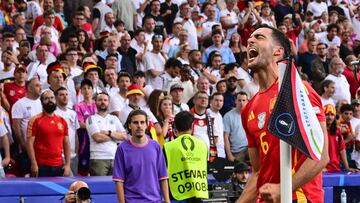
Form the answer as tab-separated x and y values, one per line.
9	49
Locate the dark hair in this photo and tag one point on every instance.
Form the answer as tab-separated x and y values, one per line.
229	67
124	74
133	113
331	26
279	38
86	43
172	63
154	100
241	93
118	22
71	35
216	94
139	73
78	13
70	49
86	82
183	121
346	107
56	92
322	43
111	55
102	93
146	17
8	35
324	84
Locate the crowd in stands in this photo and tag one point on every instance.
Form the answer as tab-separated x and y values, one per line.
72	71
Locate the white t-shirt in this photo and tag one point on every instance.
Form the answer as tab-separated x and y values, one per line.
356	26
179	108
154	62
167	81
75	71
24	109
117	103
219	131
127	109
96	123
317	8
243	75
6	74
73	125
230	17
111	90
322	37
36	68
207	27
327	101
139	64
342	88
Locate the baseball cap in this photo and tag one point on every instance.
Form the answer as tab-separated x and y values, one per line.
134	89
20	67
329	109
176	86
241	167
355	101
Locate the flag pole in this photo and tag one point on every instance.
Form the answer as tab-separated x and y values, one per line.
285	160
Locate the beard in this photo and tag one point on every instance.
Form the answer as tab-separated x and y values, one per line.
102	107
49	107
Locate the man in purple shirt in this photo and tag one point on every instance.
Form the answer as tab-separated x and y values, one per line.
139	165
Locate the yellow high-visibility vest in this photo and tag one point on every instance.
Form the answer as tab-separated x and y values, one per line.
187	167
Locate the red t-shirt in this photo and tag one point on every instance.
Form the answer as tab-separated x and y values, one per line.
255	117
336	144
49	132
245	33
293	34
13	92
354	85
40	20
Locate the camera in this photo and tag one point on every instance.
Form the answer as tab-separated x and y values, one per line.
83	194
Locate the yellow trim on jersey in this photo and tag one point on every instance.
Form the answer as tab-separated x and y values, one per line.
251	116
300	196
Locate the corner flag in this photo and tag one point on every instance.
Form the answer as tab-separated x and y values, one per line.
293	119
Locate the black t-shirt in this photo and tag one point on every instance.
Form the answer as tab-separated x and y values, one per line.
128	61
338	9
159	24
169	19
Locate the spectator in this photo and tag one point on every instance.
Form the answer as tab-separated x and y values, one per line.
49	17
283	8
98	16
171	74
202	85
166	117
47	137
155	62
111	61
182	39
168	10
320	66
234	133
56	76
240	177
216	103
70	117
327	92
105	133
197	69
13	91
349	74
139	78
84	109
228	18
226	52
109	22
330	36
210	13
78	20
355	122
84	42
72	195
141	46
229	95
176	92
188	24
9	59
221	86
22	111
39	66
342	87
347	130
48	5
154	99
305	60
5	146
317	7
112	48
267	17
72	57
183	54
335	7
159	19
111	82
128	61
125	10
119	100
149	27
140	180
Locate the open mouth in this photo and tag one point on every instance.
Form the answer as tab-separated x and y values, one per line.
253	53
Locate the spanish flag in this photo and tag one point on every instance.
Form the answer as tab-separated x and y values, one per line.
293	119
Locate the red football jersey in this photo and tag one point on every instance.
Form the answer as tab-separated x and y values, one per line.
255	116
13	92
336	144
49	132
